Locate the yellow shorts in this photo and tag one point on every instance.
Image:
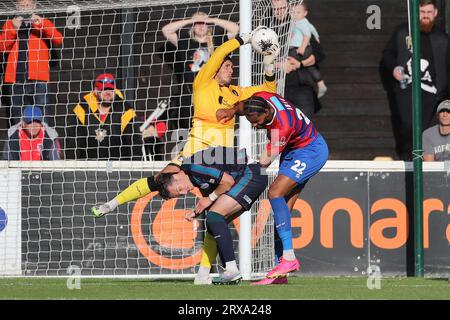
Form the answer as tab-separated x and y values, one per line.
195	144
192	146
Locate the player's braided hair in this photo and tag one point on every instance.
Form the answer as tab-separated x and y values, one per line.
163	181
255	105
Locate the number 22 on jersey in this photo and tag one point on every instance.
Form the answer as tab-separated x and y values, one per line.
299	167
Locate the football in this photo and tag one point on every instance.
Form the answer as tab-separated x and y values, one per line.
263	40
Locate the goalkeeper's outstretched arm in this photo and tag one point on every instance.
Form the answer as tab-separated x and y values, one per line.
269	84
209	70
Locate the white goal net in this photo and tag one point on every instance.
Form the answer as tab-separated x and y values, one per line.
46	227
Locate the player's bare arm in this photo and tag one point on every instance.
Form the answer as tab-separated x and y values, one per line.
267	158
225	184
224	115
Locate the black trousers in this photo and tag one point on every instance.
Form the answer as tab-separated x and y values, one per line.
180	115
299	93
403	123
314	69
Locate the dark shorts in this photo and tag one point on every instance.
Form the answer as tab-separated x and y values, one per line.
249	186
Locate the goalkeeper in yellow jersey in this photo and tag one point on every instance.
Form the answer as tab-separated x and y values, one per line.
215	101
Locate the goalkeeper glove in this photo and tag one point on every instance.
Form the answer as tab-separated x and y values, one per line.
100	211
247	37
269	60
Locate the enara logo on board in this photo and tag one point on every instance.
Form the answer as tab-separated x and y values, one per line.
3	219
171	230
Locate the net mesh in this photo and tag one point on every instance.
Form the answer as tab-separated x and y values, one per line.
149	237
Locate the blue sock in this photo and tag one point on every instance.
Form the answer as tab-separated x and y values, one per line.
278	247
218	228
282	219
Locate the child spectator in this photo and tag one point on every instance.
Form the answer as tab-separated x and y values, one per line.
300	43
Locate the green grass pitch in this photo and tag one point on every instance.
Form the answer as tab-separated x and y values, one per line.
298	288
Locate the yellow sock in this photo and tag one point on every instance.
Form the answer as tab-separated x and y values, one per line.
135	191
209	253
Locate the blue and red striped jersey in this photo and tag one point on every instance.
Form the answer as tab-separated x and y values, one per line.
290	128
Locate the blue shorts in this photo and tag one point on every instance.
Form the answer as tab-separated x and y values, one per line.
301	164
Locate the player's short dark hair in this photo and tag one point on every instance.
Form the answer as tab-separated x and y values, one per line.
427	2
163	181
255	105
227	58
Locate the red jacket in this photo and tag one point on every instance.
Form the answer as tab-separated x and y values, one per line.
38	51
20	147
31	149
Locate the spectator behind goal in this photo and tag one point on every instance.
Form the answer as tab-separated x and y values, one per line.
27	40
300	43
299	84
436	140
396	70
31	139
103	125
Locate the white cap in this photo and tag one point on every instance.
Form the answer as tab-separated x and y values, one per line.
444	105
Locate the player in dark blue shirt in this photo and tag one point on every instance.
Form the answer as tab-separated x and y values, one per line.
229	185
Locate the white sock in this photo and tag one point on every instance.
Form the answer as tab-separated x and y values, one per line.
203	272
231	266
321	85
322	91
113	204
289	255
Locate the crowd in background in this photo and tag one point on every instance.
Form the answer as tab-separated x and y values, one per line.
435	84
103	125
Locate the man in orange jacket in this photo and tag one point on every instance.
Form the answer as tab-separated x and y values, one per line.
27	40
